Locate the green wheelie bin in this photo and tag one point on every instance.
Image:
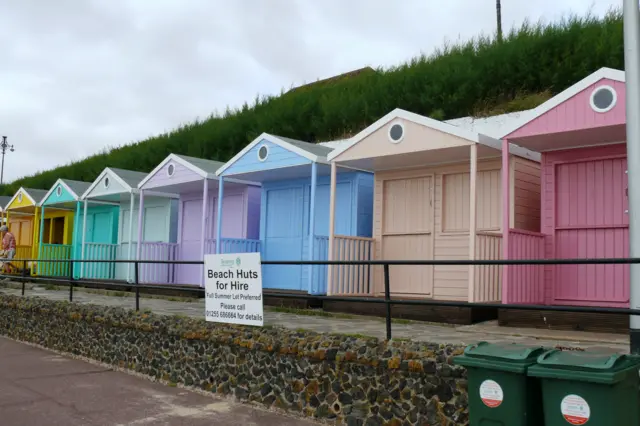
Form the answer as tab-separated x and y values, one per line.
500	392
593	388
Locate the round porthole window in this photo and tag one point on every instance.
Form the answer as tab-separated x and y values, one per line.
106	182
171	169
396	132
59	191
263	152
20	197
603	98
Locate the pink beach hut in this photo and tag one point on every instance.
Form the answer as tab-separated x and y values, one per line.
580	134
437	195
194	180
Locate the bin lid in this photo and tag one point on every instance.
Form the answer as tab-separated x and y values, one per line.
596	367
510	357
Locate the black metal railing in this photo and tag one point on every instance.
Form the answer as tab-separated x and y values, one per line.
136	286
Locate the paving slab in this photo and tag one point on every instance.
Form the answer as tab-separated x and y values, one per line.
362	325
38	387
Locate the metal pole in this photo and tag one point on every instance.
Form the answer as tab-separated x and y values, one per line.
387	299
2	168
632	78
137	284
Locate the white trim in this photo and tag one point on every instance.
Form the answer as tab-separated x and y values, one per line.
441	126
276	141
169	166
265	146
21	190
106	172
397	123
58	191
59	182
591	79
20	197
614	101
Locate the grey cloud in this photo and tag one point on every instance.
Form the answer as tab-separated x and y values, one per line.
79	75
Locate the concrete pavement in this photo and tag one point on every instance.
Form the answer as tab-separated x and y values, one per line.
39	388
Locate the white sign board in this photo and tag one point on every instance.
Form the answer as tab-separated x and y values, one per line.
233	288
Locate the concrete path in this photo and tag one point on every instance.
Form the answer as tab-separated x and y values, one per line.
38	387
360	325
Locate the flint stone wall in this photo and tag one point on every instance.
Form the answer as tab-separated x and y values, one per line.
344	379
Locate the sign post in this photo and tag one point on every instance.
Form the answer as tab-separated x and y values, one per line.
631	27
233	288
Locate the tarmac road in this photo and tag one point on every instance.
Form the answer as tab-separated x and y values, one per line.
38	387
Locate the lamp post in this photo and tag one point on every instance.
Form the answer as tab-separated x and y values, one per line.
4	146
631	28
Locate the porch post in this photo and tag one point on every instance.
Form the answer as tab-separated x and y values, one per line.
41	239
132	204
312	221
631	19
84	237
205	202
140	225
219	218
332	225
506	218
74	237
473	175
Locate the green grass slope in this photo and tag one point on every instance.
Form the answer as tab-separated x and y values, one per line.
479	77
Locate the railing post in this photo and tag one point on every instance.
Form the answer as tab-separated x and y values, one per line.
387	299
71	288
70	281
135	278
24	275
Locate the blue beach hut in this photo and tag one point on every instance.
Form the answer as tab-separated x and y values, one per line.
59	226
294	207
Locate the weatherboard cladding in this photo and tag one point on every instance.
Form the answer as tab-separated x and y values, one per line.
281	155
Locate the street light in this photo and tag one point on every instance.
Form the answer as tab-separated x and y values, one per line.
4	146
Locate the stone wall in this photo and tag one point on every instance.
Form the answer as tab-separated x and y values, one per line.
350	380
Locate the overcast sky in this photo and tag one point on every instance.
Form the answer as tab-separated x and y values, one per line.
77	76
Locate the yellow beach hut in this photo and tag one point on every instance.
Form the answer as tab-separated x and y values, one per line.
23	218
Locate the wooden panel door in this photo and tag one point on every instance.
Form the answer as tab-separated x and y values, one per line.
407	233
591	222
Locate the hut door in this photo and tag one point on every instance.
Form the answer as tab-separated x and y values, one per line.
190	241
407	233
591	222
284	231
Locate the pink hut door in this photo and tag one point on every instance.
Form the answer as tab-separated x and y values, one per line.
591	222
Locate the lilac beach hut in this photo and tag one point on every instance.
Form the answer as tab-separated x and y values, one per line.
194	180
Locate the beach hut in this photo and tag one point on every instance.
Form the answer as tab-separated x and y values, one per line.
581	135
438	195
193	180
111	229
23	218
57	235
4	200
294	207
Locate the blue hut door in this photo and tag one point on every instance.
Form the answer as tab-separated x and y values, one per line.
100	233
284	232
